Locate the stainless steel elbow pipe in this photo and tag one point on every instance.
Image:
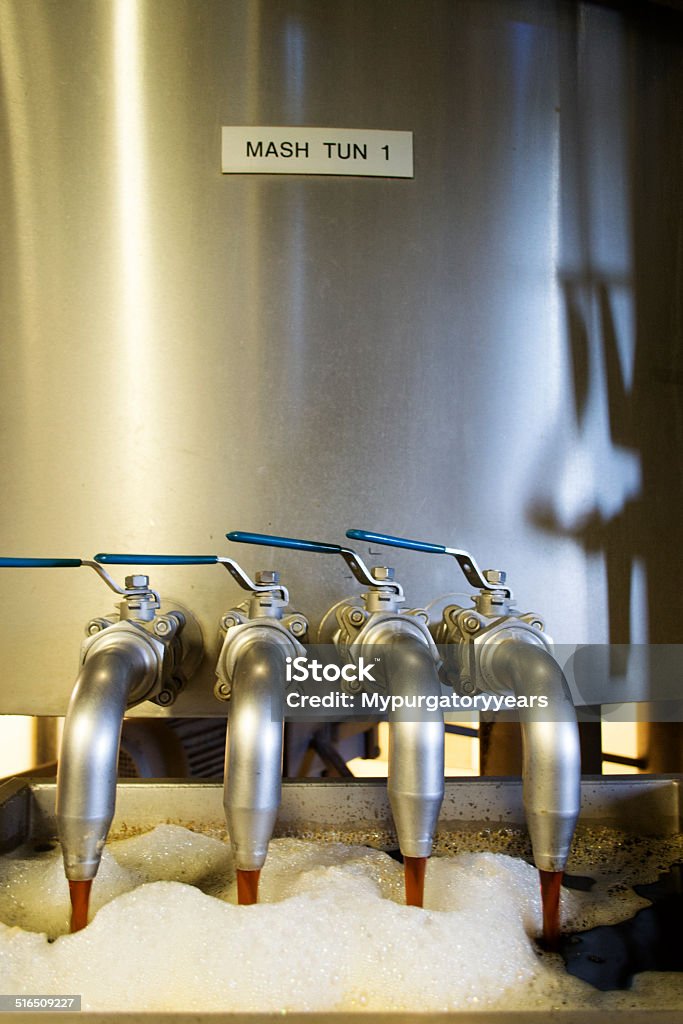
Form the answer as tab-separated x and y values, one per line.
416	747
551	751
253	758
118	671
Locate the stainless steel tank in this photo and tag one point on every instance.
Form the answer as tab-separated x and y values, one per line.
486	355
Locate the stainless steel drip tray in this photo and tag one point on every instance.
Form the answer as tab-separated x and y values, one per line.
647	805
643	805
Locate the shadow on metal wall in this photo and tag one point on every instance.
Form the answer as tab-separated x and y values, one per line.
621	267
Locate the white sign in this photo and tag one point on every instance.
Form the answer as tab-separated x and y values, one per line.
260	150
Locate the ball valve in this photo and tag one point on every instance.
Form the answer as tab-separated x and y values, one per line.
138	653
410	661
498	651
256	638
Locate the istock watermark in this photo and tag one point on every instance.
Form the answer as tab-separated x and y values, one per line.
303	670
329	685
636	682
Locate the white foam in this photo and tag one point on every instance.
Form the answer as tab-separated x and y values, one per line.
330	933
34	894
173	853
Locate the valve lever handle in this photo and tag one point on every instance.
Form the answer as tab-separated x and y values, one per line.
396	542
236	571
284	542
469	567
61	563
109	559
40	563
355	564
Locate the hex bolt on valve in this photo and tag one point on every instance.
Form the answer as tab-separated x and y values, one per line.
136	654
499	651
416	748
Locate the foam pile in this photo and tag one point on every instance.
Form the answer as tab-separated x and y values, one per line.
330	933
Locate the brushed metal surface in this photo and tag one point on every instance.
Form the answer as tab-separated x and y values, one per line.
647	806
481	356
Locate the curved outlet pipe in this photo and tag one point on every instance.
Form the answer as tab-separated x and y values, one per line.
112	677
551	751
253	756
416	748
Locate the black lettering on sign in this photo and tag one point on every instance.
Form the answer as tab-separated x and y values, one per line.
347	151
287	149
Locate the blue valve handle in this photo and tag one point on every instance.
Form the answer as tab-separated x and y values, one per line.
284	542
233	568
107	559
40	563
396	542
355	564
469	567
